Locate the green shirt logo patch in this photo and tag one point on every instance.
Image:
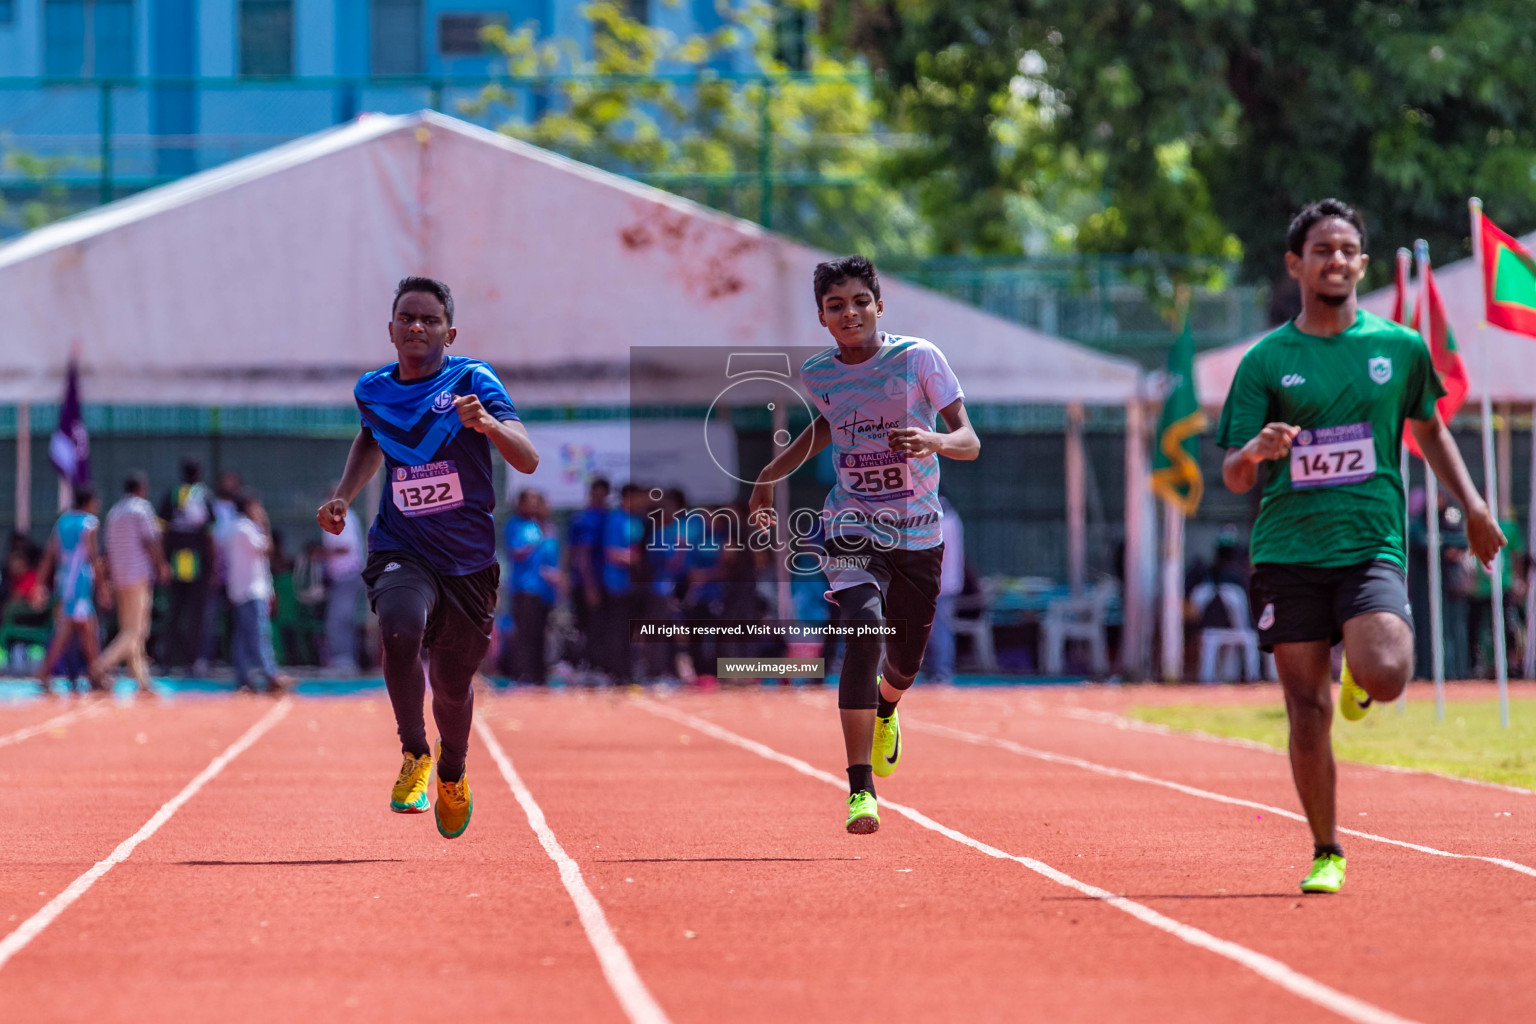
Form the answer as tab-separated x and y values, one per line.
1381	369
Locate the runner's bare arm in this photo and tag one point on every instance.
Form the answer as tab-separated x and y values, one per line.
509	436
1241	466
812	441
363	462
960	443
1483	534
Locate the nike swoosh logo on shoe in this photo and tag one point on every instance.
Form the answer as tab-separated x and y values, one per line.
895	752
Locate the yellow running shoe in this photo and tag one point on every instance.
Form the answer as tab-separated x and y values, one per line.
1327	874
1353	701
863	814
410	793
886	754
455	804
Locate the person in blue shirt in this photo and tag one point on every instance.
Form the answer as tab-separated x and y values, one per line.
624	572
73	555
585	544
534	551
432	576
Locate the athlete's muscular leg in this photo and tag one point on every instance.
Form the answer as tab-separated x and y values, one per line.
1379	649
1305	674
456	656
856	690
402	622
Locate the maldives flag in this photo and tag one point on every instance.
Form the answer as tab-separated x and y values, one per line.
1400	302
1430	320
1509	281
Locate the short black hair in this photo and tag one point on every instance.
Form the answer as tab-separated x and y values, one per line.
600	481
430	285
841	269
191	470
1323	209
629	489
137	482
84	496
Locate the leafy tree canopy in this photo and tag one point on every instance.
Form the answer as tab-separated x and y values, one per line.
1200	126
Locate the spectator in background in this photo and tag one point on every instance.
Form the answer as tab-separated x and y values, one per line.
344	557
248	581
134	562
624	573
939	660
584	542
74	559
187	513
217	612
534	551
667	548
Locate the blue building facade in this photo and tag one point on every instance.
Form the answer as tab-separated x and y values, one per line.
91	84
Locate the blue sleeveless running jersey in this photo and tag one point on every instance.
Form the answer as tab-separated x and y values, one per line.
438	495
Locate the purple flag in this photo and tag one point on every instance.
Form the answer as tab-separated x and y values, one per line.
70	448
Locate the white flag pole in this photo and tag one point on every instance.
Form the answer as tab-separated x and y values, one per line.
1530	577
1403	256
1490	471
1173	592
1432	514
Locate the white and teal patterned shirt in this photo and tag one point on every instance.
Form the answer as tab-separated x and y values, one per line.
904	384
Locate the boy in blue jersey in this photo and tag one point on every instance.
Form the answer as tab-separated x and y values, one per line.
432	577
877	397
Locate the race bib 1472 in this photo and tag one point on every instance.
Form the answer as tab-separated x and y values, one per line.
427	490
1333	456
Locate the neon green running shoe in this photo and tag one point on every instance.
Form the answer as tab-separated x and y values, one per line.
886	754
1327	874
863	815
410	793
1353	701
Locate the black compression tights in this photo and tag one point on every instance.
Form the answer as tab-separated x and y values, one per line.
857	685
455	655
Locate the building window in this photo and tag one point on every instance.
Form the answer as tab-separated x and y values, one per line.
397	30
790	27
266	37
88	38
458	35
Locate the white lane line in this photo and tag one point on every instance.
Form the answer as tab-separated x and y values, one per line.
638	1003
1204	794
1268	968
1118	721
53	723
33	926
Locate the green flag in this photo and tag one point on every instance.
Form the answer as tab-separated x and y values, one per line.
1176	464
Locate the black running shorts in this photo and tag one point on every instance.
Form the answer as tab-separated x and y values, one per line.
471	598
1298	603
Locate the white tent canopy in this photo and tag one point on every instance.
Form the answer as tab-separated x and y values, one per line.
267	280
1511	357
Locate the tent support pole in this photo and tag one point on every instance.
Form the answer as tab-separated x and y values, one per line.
1133	639
23	467
1077	505
1173	593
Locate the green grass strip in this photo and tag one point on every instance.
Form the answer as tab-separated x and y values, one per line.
1470	743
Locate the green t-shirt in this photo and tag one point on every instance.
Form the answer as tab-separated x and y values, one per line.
1338	498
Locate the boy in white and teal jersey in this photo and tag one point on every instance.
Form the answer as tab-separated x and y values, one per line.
1323	400
878	397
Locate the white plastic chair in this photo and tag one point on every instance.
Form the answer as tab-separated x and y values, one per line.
978	629
1077	618
1238	638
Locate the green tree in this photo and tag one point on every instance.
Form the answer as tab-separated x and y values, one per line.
1200	126
647	104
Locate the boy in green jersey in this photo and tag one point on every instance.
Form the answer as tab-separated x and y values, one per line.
1322	400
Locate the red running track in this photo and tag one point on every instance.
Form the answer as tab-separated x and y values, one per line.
282	888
